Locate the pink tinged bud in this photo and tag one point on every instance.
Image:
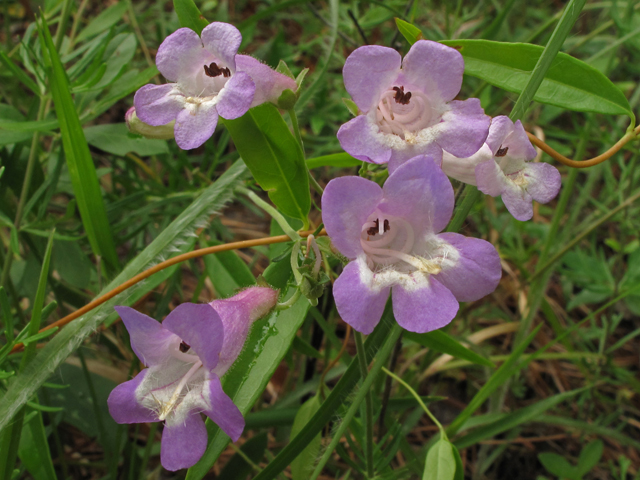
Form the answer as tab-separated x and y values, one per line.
238	313
269	84
135	125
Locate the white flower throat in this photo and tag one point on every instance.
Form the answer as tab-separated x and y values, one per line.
388	240
403	113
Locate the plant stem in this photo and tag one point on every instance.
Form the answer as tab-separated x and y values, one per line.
296	130
368	422
275	214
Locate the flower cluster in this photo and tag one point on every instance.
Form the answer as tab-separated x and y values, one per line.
186	355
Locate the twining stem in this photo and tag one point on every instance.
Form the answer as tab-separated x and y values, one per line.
275	214
368	423
630	135
166	264
418	399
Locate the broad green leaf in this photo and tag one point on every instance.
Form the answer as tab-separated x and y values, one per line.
189	15
79	162
342	160
274	157
410	32
302	466
557	465
115	138
441	462
512	420
237	467
47	360
227	272
459	466
265	348
569	83
444	343
107	19
590	457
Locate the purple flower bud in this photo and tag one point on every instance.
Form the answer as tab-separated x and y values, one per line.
503	167
186	355
407	107
391	235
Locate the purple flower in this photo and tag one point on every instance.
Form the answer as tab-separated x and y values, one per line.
207	84
503	167
407	106
269	83
186	356
391	237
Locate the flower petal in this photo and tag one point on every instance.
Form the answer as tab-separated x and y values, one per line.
490	178
222	410
520	146
123	404
358	138
477	270
463	128
235	98
149	340
200	327
156	106
435	68
427	305
358	302
183	443
347	202
501	127
181	55
238	314
399	157
195	125
544	181
269	83
421	193
222	40
369	71
518	201
464	169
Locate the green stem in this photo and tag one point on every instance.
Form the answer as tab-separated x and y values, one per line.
288	303
245	457
419	400
275	214
378	363
368	423
296	130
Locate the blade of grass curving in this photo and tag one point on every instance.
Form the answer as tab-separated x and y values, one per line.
71	337
587	427
79	162
444	343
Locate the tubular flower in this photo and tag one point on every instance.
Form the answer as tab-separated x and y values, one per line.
207	84
407	107
503	167
391	237
186	355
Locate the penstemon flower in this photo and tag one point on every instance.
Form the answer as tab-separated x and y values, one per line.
186	356
503	167
391	237
407	107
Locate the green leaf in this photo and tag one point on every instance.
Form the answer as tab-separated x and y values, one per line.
19	73
274	157
441	462
69	338
590	456
189	15
410	32
569	83
237	467
341	160
459	466
265	348
34	449
107	19
79	162
115	138
512	420
444	343
558	466
302	466
227	272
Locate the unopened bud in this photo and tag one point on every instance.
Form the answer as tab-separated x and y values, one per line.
135	125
